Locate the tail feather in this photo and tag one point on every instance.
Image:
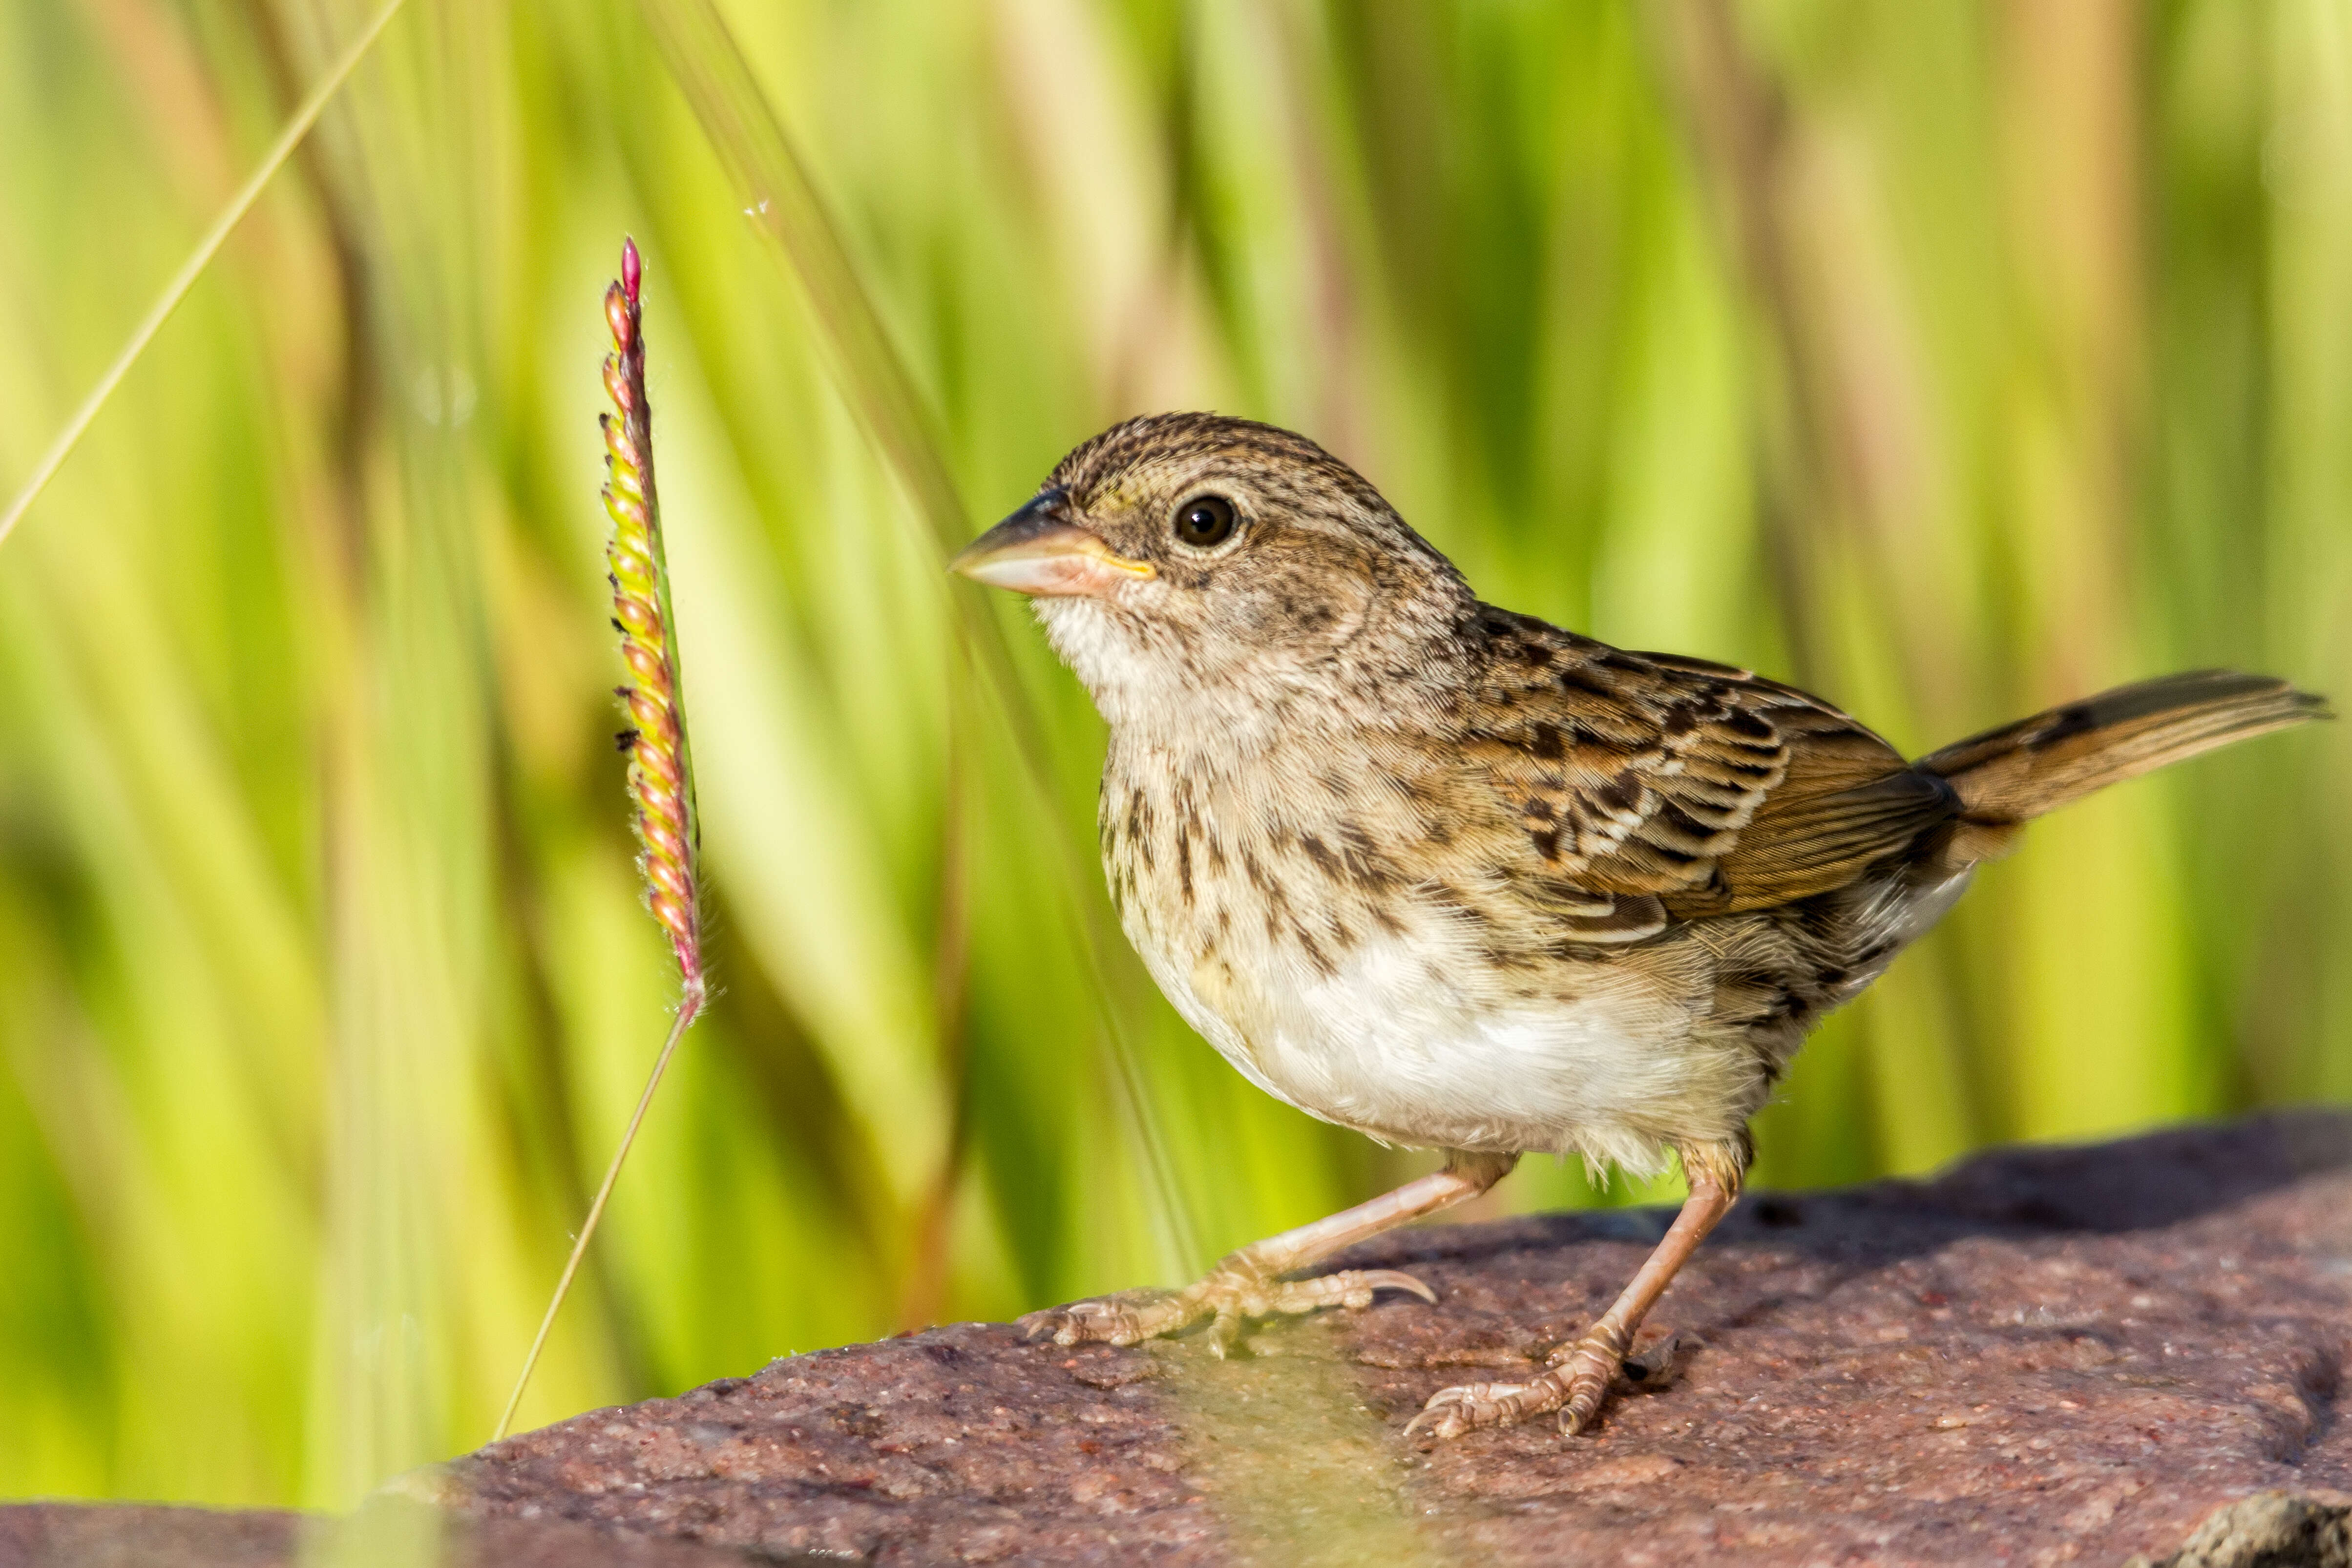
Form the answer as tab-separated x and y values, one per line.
2039	764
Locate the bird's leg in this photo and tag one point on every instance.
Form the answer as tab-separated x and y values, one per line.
1578	1375
1249	1284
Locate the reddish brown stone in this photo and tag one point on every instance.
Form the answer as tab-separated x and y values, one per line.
390	1533
2045	1356
53	1535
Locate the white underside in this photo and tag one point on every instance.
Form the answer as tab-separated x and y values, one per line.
1386	1047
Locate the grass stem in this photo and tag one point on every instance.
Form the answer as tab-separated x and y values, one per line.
688	1007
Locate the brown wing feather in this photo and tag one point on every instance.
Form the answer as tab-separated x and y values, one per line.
1652	787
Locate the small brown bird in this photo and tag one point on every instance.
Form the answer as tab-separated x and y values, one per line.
1456	878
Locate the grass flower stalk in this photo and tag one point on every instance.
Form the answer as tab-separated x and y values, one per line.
661	770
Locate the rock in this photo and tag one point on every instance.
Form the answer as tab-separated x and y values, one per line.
2046	1355
390	1533
2269	1530
51	1535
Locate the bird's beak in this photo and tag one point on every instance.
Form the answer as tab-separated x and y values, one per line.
1036	550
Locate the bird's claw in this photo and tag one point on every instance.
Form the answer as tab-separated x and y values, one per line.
1574	1384
1229	1297
1129	1317
1468	1406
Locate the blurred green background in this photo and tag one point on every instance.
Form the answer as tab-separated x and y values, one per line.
1951	358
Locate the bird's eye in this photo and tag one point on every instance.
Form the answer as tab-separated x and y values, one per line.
1204	522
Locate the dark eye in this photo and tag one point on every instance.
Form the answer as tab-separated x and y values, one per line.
1205	520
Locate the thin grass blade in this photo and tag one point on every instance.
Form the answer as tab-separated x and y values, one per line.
176	290
745	131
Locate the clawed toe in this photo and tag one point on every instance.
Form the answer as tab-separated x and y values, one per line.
1582	1372
1230	1298
1469	1406
1129	1317
1575	1385
1352	1288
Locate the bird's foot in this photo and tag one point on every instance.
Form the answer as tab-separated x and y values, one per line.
1575	1381
1232	1294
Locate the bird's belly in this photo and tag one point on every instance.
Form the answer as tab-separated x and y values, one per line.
1386	1040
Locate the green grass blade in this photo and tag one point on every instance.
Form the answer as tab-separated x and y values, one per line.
750	138
305	115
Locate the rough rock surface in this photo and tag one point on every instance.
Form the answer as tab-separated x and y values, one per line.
2046	1355
2269	1530
389	1533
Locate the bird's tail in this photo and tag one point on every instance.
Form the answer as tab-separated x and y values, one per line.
2007	775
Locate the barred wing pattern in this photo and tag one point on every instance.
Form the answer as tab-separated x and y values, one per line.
1654	788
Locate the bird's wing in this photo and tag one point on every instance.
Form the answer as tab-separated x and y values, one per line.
1652	788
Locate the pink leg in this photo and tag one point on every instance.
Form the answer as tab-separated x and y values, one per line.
1249	1284
1579	1375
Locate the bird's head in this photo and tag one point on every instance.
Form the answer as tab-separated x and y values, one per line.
1204	573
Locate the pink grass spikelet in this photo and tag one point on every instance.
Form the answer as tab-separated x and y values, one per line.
660	776
661	771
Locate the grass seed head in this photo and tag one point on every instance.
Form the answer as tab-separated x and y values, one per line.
661	776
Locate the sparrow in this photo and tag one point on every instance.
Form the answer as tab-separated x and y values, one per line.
1460	879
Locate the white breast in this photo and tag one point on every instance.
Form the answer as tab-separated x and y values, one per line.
1391	1044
